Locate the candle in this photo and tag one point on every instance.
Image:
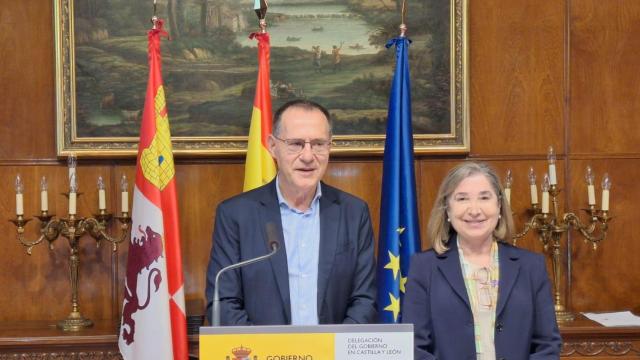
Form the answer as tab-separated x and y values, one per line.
606	186
73	190
545	194
545	202
125	201
72	203
534	194
507	186
19	204
533	187
102	202
19	198
591	190
552	166
44	197
125	194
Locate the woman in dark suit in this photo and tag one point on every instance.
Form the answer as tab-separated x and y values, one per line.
473	296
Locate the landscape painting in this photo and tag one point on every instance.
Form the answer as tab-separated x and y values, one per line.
329	51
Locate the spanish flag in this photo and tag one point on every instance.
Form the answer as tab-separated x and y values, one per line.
153	314
259	167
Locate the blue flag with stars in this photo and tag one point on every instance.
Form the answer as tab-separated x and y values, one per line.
399	229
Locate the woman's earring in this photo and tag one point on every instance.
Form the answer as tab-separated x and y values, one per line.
448	220
499	216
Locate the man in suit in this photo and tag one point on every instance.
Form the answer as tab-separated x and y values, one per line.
323	272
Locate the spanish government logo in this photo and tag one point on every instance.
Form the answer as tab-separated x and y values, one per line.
241	353
244	353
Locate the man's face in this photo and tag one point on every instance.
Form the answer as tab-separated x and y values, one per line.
300	171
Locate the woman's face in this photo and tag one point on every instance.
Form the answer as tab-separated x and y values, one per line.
474	209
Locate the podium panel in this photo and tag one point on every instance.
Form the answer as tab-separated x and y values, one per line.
320	342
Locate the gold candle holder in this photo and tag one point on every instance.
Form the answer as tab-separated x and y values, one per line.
551	225
73	228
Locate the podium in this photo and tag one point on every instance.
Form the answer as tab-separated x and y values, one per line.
319	342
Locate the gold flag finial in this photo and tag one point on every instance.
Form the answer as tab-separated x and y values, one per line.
260	7
403	26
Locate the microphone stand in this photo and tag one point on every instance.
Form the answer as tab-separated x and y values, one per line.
215	316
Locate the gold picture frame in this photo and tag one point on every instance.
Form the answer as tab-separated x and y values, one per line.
79	38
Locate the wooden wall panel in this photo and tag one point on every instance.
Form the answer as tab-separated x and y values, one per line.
362	179
516	76
605	53
27	78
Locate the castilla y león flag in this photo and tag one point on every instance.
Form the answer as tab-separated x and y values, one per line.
153	313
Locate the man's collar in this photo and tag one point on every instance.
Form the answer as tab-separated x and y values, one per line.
282	200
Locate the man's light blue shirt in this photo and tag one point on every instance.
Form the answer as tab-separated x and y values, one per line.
302	240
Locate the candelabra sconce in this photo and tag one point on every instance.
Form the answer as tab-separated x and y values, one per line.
551	225
72	228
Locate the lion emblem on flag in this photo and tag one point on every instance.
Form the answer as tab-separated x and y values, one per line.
143	252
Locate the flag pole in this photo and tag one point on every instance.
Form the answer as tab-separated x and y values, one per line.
154	18
403	26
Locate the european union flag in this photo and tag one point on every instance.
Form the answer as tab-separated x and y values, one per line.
399	229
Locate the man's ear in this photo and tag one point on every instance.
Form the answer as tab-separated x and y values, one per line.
271	146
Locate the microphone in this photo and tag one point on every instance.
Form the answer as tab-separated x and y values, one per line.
274	245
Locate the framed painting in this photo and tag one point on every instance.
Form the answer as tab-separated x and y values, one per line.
329	51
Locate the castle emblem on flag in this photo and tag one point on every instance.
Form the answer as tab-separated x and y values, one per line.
156	161
143	252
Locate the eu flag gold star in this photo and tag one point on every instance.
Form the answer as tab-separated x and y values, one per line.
394	264
394	306
400	230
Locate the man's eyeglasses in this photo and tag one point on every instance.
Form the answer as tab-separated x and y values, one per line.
295	146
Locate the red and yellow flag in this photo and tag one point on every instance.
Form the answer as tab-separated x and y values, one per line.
259	168
153	315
